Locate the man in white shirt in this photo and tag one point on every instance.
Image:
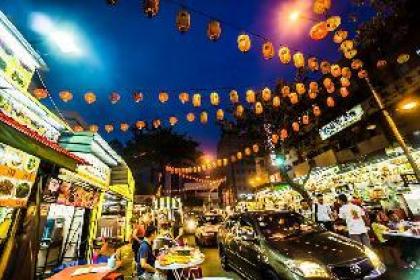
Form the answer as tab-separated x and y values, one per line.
322	213
353	215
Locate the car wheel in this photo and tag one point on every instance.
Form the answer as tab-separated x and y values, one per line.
223	259
270	275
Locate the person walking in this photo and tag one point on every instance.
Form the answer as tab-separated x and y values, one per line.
146	264
354	217
322	213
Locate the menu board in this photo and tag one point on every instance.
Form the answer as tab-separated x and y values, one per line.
62	192
18	172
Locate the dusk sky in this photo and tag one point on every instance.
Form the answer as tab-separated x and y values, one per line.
122	50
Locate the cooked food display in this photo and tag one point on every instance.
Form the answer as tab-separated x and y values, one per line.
22	190
6	187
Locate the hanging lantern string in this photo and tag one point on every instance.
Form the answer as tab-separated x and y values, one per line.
239	28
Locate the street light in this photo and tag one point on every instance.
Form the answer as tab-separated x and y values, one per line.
409	105
294	16
65	41
62	37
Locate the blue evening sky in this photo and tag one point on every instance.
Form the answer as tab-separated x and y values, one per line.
123	51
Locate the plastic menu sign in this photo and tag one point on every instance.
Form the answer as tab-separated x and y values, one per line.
18	171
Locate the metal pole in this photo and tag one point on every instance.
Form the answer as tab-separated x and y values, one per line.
394	129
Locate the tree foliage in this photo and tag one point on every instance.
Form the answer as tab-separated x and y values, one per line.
150	150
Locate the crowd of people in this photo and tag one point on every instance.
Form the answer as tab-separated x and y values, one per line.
347	217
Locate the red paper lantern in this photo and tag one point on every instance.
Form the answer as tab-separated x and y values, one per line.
114	97
138	97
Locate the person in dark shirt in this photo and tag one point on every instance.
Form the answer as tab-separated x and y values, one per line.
146	259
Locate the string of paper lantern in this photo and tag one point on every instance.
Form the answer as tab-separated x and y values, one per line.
244	41
342	73
202	180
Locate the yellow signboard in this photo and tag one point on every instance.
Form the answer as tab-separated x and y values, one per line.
14	71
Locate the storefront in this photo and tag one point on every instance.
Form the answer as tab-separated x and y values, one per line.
112	180
275	196
383	181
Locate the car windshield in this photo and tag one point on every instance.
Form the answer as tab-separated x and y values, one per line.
212	220
283	226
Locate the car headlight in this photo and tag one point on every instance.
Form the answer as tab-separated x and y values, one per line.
373	257
308	269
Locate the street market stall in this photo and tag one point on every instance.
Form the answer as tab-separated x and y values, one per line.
380	181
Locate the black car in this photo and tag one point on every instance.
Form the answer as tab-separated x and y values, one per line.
281	245
206	232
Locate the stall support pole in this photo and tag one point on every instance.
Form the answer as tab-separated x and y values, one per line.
394	128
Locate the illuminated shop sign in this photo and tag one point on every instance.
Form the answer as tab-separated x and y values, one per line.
96	170
351	117
18	60
18	171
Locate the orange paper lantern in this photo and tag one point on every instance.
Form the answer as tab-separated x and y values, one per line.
313	64
276	101
184	97
266	94
151	7
137	96
109	128
214	98
140	124
284	55
294	99
268	51
330	101
319	31
196	100
183	21
220	115
244	42
298	60
190	117
124	127
40	93
66	95
250	96
163	97
93	128
173	120
258	108
90	98
214	30
234	96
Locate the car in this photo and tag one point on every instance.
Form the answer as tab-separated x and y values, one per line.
206	232
282	245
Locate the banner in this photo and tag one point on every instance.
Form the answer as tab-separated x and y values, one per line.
18	171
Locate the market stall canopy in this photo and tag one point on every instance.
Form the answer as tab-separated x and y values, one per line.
122	181
90	143
21	137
